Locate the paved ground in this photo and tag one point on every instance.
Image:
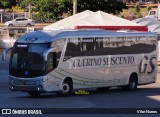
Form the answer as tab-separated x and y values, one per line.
147	96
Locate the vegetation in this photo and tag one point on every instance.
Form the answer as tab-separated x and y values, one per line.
109	6
130	12
17	9
54	9
48	9
7	4
137	8
139	15
148	8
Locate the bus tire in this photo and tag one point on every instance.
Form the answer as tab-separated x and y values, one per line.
67	87
133	82
28	25
34	94
10	25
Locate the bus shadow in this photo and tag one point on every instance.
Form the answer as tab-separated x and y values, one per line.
94	92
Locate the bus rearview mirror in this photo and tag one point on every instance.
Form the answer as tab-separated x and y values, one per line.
45	55
5	52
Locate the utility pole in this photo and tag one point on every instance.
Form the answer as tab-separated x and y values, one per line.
74	7
29	7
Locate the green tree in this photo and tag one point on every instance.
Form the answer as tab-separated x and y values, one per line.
7	4
4	4
137	8
16	9
46	9
139	15
12	3
109	6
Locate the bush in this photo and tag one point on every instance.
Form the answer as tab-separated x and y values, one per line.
139	15
149	8
122	16
137	8
16	9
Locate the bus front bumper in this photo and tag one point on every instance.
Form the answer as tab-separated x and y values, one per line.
27	84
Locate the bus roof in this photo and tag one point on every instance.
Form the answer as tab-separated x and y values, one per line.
49	36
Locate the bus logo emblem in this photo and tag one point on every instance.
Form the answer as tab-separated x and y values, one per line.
31	39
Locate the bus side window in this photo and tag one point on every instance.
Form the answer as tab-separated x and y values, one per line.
73	49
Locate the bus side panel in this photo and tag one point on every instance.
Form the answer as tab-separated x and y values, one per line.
109	76
67	69
94	77
54	80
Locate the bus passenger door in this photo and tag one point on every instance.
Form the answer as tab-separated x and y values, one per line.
52	63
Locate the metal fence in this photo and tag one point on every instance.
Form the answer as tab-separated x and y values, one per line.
10	16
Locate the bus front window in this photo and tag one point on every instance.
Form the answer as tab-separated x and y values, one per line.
27	60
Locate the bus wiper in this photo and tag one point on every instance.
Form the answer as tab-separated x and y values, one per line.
23	64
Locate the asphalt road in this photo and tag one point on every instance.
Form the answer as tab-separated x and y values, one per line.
147	96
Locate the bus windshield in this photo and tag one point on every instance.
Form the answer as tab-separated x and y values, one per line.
27	60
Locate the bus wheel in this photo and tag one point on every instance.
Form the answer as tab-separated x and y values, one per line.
34	94
67	88
28	25
10	25
133	82
132	85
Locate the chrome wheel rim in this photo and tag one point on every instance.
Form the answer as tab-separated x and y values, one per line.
65	88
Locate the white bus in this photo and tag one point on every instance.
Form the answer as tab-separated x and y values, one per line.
63	61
